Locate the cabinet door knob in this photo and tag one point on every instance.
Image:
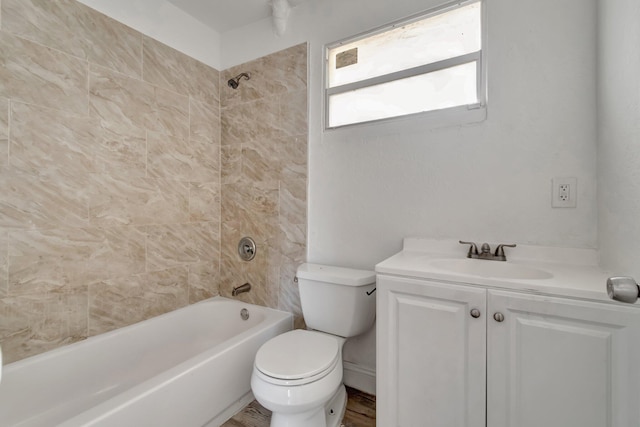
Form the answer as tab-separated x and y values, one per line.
498	317
475	313
623	289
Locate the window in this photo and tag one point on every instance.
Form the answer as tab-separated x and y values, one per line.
426	64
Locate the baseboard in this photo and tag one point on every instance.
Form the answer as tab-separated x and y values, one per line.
359	377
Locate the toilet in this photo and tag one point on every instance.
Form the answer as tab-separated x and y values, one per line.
298	375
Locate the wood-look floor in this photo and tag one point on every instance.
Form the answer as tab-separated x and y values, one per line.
361	412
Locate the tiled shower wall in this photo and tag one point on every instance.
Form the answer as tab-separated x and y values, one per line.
264	177
110	179
109	176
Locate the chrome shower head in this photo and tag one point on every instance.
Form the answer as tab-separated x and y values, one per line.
235	82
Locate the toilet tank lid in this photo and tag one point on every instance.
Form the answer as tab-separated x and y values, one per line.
337	275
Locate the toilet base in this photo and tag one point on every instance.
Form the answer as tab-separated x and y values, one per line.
334	409
330	415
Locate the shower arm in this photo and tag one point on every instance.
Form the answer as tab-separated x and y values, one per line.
235	82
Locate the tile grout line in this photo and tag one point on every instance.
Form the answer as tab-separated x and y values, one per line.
6	242
141	56
189	124
9	108
88	88
219	140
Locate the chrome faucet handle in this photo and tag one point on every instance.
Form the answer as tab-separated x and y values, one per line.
500	250
473	249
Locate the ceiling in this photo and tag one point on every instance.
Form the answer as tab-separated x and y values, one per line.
224	15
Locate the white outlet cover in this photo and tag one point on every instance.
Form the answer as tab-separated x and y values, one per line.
558	200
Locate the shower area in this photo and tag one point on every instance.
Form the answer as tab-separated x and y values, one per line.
264	176
129	172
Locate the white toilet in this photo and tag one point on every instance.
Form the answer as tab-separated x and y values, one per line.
298	375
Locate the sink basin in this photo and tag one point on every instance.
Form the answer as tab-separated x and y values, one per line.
483	268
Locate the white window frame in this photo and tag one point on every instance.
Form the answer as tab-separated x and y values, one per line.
460	114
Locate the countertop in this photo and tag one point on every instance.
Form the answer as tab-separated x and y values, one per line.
569	272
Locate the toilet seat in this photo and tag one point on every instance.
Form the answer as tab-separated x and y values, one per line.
297	357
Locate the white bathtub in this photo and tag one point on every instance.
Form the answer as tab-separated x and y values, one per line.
189	367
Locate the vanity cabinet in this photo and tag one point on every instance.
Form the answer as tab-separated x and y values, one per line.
454	355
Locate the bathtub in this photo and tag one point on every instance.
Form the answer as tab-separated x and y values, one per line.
189	367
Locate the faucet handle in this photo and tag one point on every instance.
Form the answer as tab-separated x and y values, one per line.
500	250
473	249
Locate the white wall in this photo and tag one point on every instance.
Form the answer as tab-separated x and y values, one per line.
164	22
619	136
373	185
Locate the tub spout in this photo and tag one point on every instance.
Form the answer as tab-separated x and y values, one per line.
241	289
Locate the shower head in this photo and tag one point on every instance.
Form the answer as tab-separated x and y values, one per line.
235	82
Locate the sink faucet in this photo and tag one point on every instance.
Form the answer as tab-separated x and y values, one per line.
485	251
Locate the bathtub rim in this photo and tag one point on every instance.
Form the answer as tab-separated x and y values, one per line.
18	364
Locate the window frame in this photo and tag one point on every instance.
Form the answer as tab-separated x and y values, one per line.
459	114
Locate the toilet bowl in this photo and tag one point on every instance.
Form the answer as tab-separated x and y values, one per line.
298	375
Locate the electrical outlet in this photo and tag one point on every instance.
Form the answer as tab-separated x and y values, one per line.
564	192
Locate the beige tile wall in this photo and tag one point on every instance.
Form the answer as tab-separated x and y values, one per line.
109	176
115	205
264	176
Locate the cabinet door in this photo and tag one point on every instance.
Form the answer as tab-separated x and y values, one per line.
557	362
431	354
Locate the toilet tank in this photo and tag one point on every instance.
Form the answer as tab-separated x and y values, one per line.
337	300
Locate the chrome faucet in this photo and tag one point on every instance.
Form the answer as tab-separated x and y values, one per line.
241	289
485	251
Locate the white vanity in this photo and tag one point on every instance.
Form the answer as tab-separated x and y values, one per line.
529	342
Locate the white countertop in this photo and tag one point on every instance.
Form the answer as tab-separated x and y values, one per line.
571	272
